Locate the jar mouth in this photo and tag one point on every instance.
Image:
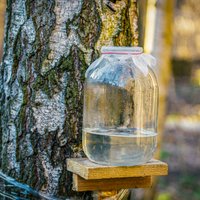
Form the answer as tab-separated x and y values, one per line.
121	50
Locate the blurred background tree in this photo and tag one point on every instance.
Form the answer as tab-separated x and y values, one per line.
156	17
2	14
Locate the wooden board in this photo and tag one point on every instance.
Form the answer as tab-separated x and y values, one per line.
89	170
80	184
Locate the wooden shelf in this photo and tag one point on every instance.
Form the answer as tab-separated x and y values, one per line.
89	176
89	170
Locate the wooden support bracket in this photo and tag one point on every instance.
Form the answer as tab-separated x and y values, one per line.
88	176
81	184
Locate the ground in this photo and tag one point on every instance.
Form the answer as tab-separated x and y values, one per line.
181	150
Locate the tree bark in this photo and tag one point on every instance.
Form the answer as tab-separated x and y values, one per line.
48	46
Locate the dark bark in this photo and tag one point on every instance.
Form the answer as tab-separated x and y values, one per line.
48	47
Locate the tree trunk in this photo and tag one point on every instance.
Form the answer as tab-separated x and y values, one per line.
48	45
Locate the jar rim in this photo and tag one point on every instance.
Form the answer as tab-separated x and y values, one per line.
121	50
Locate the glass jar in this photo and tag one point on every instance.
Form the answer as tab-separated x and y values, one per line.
120	107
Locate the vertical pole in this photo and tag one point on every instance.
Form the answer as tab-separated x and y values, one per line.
159	43
2	13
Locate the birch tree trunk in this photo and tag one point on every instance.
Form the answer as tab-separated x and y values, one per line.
48	45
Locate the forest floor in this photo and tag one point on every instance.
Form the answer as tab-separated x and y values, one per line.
181	150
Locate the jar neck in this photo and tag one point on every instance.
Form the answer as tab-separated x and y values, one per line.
122	50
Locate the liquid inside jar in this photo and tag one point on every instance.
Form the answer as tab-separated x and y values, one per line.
119	146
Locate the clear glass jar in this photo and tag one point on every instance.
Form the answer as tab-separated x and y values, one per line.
120	108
